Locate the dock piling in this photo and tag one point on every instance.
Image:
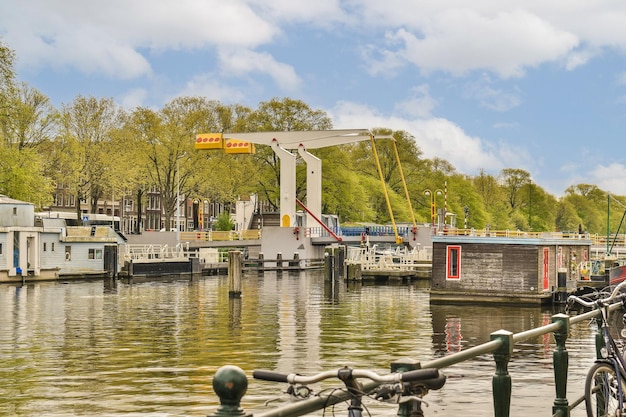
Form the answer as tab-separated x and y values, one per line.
234	274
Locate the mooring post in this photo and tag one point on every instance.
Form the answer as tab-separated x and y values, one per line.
501	381
234	274
279	261
560	358
296	260
230	384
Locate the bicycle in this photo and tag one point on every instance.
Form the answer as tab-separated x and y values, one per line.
406	389
605	383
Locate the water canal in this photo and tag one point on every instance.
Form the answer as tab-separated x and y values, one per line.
151	349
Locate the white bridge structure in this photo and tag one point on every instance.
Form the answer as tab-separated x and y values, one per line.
283	144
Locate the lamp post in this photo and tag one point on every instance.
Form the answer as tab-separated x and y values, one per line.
433	204
178	199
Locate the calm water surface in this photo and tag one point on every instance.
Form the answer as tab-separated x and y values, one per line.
86	349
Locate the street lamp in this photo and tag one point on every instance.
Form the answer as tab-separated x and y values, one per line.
178	199
433	203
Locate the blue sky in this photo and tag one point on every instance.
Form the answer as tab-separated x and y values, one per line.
486	85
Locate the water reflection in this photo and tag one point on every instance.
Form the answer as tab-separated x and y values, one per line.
107	349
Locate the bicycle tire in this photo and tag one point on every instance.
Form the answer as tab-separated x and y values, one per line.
601	394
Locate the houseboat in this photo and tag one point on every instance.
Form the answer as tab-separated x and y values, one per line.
36	248
516	268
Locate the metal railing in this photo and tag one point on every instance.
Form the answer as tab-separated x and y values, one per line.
215	235
501	345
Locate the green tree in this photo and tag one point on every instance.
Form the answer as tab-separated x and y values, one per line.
174	166
281	115
513	180
25	121
87	154
566	217
22	176
590	204
7	71
29	120
224	222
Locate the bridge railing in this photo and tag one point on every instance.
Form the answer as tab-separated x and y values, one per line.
501	345
216	235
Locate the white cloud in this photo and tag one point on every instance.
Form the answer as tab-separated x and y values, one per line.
436	137
461	40
207	85
320	12
241	62
483	91
609	177
113	37
420	104
133	98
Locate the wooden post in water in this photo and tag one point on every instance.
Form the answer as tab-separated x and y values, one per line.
279	261
560	358
234	274
501	381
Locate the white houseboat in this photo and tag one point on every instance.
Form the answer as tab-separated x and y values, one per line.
35	247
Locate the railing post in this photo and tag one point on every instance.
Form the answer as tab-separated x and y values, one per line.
230	384
560	358
501	382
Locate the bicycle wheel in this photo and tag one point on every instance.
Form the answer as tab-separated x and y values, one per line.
601	391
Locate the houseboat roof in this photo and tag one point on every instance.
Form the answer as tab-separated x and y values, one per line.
515	239
8	200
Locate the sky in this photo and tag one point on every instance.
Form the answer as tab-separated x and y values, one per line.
485	85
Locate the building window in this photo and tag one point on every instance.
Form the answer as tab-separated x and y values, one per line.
453	262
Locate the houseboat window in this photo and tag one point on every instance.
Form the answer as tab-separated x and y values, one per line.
68	253
453	262
44	246
15	211
95	254
52	247
0	248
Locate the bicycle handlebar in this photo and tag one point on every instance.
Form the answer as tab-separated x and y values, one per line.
409	376
610	298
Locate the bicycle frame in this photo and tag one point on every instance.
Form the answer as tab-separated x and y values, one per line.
355	388
613	354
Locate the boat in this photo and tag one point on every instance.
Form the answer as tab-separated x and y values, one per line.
617	272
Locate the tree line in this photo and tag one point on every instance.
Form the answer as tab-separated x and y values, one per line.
96	149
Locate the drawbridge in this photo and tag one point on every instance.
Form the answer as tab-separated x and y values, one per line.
284	144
